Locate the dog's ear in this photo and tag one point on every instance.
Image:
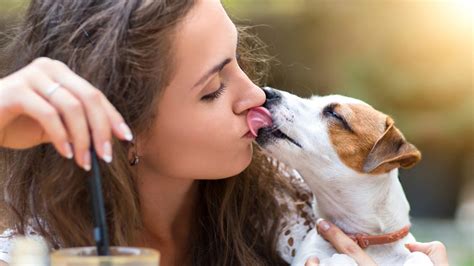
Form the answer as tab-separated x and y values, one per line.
391	151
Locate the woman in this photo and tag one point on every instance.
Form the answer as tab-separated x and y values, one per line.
185	184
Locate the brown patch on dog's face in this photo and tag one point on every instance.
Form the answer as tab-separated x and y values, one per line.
366	140
354	144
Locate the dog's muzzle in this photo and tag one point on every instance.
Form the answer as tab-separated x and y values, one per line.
266	135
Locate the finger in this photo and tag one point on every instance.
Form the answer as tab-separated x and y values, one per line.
421	247
72	112
313	261
120	128
74	117
435	250
342	243
100	126
39	109
90	98
7	107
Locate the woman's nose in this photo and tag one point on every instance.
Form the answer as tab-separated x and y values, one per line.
251	96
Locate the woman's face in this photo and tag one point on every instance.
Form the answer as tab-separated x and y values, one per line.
200	128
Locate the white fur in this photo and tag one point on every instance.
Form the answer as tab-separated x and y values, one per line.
356	202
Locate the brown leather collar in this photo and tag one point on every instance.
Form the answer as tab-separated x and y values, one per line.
365	240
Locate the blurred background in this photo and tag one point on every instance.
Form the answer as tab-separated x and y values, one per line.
411	59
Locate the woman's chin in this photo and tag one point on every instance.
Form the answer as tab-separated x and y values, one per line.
243	161
234	166
246	160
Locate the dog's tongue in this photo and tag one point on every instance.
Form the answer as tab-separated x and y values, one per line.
257	118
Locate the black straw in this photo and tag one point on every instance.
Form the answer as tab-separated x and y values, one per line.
100	232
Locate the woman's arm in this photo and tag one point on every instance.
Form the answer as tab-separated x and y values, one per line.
2	263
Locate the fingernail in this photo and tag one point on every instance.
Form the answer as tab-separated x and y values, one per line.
107	152
322	224
126	131
87	161
68	149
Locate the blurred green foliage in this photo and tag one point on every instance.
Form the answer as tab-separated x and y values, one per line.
12	7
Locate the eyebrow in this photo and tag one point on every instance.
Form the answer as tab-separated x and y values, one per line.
214	70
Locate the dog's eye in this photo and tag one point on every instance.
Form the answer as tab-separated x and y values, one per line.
328	111
335	115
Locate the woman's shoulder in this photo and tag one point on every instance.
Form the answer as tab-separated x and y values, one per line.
299	216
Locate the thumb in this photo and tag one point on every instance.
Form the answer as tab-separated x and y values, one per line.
435	250
420	247
313	261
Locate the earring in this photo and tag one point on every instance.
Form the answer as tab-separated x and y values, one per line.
135	160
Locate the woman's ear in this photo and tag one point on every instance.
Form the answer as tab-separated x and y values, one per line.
391	151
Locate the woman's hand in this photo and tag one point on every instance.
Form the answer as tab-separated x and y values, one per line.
45	102
344	245
435	250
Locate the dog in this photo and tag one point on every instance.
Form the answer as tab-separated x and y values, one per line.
349	154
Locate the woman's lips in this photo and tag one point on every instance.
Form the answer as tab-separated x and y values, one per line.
257	118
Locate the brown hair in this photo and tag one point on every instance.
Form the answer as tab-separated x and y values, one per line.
114	45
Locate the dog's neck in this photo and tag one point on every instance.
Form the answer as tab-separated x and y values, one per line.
371	205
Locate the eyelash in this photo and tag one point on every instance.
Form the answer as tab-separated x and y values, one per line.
212	96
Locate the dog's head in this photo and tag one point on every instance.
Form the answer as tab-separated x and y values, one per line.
333	131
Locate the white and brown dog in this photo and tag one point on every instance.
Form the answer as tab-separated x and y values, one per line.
349	154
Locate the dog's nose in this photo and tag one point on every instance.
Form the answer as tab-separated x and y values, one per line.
271	95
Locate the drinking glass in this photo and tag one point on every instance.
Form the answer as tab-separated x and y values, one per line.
120	256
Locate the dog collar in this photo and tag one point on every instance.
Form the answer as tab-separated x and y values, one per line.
364	240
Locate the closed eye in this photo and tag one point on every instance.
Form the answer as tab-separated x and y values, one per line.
214	95
330	112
